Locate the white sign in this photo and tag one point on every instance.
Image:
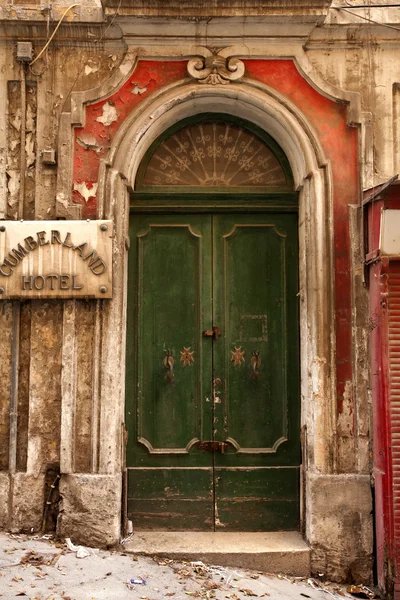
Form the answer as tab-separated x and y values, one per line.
390	233
56	259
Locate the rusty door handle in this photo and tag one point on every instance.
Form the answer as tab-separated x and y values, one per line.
168	363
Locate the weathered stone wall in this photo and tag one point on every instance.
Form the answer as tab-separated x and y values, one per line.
33	333
57	369
6	342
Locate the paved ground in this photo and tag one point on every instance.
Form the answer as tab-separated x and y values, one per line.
40	569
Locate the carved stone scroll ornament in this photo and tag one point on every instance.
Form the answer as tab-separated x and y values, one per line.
216	69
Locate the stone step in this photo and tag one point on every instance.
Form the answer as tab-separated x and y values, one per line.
274	552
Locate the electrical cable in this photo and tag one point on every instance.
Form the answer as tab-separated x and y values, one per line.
101	38
53	34
365	18
370	5
113	19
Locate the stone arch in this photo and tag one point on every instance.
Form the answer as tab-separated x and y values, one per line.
253	101
270	111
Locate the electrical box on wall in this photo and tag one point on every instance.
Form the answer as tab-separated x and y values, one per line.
49	157
24	51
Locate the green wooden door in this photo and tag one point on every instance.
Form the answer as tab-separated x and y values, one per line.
188	273
256	306
169	367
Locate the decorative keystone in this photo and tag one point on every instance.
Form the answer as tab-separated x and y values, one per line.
214	68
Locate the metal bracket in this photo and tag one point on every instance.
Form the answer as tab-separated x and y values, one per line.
214	332
212	446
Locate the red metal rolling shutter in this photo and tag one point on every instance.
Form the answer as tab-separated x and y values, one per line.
394	397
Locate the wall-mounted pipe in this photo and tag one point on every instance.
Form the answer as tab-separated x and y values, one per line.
22	163
368	5
12	453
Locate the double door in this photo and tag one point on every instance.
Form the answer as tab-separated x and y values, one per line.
212	404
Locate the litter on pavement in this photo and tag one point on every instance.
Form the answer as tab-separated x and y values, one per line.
81	551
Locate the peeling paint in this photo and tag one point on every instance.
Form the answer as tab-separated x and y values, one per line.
125	68
89	69
16	121
85	191
62	200
13	185
346	417
30	118
30	149
139	90
89	142
109	114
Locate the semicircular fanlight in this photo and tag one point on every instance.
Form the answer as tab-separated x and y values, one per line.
214	153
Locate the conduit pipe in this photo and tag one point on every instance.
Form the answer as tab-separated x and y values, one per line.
12	457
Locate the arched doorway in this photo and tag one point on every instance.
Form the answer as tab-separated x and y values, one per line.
212	405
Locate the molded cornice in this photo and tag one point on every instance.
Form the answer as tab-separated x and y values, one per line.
210	8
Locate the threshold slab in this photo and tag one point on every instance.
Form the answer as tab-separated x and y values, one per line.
272	552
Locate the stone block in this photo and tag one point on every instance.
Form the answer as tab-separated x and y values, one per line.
90	510
27	502
4	492
340	527
271	552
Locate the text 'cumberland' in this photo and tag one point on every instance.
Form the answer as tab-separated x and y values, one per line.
32	242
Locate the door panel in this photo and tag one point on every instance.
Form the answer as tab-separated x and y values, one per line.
169	272
256	499
173	498
169	375
256	360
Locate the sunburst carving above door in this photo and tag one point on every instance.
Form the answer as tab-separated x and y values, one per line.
214	153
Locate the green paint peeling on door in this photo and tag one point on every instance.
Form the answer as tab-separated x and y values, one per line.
213	420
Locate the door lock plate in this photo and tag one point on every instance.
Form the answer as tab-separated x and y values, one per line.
212	446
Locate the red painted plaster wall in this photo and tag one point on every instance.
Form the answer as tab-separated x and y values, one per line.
340	145
148	77
328	119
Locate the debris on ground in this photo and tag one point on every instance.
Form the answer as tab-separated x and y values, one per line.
81	551
41	568
36	558
199	570
361	591
132	583
127	538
